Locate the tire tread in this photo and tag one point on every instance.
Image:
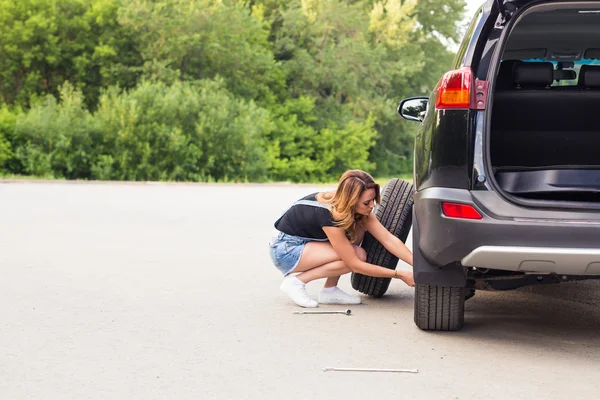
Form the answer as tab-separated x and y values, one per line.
394	213
439	308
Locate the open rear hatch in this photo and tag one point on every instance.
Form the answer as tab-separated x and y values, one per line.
544	136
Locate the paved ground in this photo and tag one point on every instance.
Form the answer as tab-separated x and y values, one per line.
138	291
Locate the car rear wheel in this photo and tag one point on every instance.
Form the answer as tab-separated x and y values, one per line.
394	213
439	308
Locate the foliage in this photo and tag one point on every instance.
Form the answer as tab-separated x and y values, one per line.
45	43
207	90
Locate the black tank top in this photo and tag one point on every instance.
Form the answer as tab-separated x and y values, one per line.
306	218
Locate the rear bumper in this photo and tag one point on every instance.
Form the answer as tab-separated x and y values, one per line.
559	260
508	237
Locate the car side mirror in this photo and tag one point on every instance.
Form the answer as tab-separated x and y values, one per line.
413	108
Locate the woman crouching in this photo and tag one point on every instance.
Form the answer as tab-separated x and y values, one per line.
319	237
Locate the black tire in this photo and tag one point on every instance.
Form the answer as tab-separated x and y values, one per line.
395	213
439	308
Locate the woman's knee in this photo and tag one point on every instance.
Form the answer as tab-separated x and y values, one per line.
361	253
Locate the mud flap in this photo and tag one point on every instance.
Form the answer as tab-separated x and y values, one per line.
428	274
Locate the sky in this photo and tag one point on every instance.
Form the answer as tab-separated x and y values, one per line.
472	5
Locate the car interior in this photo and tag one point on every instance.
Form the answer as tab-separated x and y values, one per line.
545	137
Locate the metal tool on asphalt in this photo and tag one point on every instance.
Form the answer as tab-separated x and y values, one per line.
412	371
347	312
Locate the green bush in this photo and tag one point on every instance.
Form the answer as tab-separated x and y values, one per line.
185	132
56	139
8	121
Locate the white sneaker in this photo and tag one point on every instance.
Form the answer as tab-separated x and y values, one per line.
337	296
296	289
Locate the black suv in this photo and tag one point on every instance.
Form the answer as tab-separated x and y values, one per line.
507	173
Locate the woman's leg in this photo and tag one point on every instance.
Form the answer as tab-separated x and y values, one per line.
324	256
320	260
360	252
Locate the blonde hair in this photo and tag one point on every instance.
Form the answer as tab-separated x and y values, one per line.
343	200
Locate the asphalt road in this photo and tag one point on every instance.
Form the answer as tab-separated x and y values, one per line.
166	291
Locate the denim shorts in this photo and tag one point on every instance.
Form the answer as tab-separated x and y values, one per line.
286	251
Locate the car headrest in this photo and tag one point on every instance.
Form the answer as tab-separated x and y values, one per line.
533	74
589	76
505	74
564	75
594	54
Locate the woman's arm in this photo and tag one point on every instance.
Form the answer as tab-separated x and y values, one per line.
344	249
389	241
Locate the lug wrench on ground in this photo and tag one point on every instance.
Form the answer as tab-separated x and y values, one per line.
347	312
412	371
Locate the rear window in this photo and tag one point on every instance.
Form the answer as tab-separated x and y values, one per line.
576	68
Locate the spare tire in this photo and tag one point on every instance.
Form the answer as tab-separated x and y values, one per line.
395	214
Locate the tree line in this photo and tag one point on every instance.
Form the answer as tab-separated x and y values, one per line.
215	90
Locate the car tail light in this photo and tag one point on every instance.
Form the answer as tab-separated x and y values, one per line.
463	211
454	89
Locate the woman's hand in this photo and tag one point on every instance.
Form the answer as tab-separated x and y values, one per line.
407	277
